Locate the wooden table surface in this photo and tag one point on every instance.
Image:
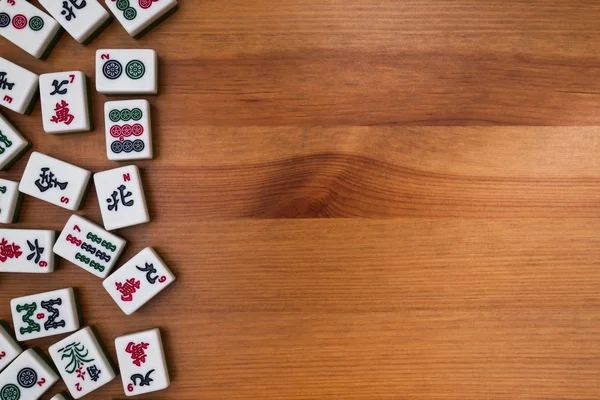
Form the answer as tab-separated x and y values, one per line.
361	199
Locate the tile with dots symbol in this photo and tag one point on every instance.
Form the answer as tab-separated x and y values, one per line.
139	16
128	130
29	376
126	71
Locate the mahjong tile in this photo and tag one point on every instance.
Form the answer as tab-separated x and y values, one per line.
138	280
12	144
126	71
9	348
138	16
88	246
82	19
142	362
54	181
27	250
10	201
28	27
18	86
61	396
128	130
65	103
45	314
82	362
121	197
27	378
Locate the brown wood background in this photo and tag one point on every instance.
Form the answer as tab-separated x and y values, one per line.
362	199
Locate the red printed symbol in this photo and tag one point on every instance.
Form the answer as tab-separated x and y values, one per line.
19	21
40	316
126	130
41	382
9	250
77	228
105	57
11	2
64	200
128	288
126	177
8	99
2	355
72	77
78	386
130	387
138	355
146	3
43	264
63	113
162	279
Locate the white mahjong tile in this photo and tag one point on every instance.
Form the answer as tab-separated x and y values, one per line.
121	197
61	396
9	348
10	201
138	280
88	246
126	71
12	144
128	130
28	27
54	181
27	250
137	16
82	19
27	378
18	86
45	314
64	100
82	362
142	362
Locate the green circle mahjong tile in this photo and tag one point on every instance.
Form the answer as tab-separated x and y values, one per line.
136	114
36	23
125	114
135	69
130	14
122	4
114	115
10	392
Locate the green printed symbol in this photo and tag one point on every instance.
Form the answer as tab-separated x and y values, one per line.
77	354
123	5
7	143
135	69
125	114
136	114
114	115
130	14
32	326
36	23
10	392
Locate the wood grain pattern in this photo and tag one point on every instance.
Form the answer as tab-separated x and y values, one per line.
347	209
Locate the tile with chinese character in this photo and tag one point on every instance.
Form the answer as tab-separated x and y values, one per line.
65	106
138	280
121	197
88	246
55	181
128	130
45	314
139	16
27	250
9	348
28	27
10	201
142	362
27	377
18	86
82	362
126	71
12	144
82	19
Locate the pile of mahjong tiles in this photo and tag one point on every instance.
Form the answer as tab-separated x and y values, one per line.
79	359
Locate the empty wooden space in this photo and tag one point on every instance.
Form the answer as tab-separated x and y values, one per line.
363	199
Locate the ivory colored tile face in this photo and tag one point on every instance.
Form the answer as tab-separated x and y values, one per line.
9	201
28	377
126	71
82	363
12	144
44	314
142	362
137	16
121	197
9	348
88	246
138	280
27	250
18	86
128	130
64	98
54	181
28	27
82	19
61	396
